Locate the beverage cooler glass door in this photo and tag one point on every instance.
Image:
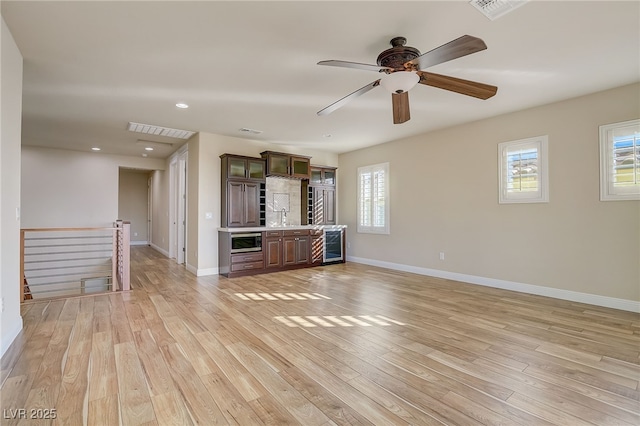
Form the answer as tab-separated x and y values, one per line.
333	245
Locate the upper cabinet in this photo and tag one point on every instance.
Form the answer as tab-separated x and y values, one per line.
321	196
243	191
239	167
287	165
322	175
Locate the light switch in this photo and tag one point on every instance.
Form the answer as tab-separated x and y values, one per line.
208	215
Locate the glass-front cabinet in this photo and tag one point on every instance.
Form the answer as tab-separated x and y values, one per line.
322	175
245	168
287	165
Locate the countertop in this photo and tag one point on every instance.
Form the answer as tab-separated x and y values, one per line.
281	228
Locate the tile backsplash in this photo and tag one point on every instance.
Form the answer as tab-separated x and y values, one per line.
283	193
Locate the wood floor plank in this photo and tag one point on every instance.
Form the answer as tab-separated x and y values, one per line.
345	344
103	378
71	406
305	412
245	383
170	409
104	411
135	401
155	370
201	406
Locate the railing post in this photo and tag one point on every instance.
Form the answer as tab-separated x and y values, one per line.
114	259
126	255
22	277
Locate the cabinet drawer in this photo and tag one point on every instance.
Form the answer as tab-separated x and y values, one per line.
296	232
273	234
315	232
236	267
246	257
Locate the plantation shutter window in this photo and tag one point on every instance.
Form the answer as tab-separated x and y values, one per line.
620	161
523	171
373	199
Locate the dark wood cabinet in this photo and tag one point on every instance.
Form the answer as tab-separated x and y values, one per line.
321	196
317	247
295	250
237	264
286	248
323	175
243	194
239	167
287	165
272	248
322	205
243	203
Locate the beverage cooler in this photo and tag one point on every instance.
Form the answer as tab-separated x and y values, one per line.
333	245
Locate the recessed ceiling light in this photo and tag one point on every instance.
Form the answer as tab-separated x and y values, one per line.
326	135
182	105
148	148
95	148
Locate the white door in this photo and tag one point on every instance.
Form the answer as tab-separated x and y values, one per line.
182	208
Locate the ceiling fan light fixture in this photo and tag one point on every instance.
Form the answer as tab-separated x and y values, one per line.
400	81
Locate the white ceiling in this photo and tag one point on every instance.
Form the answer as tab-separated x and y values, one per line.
91	67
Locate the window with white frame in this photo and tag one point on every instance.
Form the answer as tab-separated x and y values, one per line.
373	199
620	161
523	170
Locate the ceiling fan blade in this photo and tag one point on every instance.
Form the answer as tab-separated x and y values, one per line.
334	106
457	48
458	85
356	65
400	107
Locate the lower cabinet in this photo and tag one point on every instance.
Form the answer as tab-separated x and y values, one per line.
272	248
247	262
286	248
317	246
281	250
295	249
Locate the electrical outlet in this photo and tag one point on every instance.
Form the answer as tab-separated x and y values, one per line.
348	245
441	255
1	305
135	234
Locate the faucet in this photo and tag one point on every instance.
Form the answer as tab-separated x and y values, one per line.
284	217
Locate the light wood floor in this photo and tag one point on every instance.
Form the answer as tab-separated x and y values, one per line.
343	344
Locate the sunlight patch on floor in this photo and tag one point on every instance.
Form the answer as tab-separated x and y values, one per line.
333	321
281	296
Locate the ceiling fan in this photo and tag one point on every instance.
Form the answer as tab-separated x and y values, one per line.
403	67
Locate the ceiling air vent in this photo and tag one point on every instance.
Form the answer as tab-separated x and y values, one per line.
493	9
159	131
253	131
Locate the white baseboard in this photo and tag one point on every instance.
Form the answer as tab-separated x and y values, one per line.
138	243
574	296
160	250
10	336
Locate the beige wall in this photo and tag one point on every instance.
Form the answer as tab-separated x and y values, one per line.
444	198
133	198
10	136
62	188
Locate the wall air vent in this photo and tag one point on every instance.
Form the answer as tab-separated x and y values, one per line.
493	9
159	131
